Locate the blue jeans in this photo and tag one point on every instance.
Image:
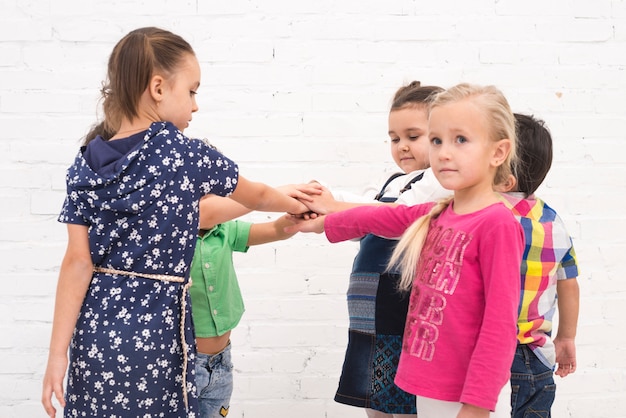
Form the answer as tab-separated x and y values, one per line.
532	385
214	382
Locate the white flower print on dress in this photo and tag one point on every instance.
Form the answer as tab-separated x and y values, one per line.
128	332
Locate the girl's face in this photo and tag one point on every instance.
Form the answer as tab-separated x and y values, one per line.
408	131
178	100
462	154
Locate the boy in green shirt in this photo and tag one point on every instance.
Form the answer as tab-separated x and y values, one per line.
217	304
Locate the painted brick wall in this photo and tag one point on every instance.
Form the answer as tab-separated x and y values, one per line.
300	90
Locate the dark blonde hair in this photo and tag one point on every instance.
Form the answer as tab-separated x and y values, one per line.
501	123
133	62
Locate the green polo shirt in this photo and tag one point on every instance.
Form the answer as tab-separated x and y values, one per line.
216	302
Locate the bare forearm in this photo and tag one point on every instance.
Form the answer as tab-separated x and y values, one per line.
271	200
326	203
259	196
215	210
568	299
564	342
263	233
74	279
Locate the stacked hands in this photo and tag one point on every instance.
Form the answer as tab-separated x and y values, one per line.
151	83
316	201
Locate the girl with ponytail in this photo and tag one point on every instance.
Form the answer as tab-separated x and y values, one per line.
460	259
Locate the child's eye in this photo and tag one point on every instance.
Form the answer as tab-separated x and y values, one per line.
413	138
395	140
435	141
461	139
193	92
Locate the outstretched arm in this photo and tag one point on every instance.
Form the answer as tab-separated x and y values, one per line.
74	278
306	225
564	342
324	203
382	220
262	233
260	196
215	209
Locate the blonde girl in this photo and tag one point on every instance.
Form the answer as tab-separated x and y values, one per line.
122	305
460	258
377	311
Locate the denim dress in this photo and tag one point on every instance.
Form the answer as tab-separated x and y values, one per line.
377	312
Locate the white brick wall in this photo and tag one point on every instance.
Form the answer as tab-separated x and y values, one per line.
294	90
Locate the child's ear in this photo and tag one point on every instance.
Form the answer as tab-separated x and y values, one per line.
507	186
156	88
501	151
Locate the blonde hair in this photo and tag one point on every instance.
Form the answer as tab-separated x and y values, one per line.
501	122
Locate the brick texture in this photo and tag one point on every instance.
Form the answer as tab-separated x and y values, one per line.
299	90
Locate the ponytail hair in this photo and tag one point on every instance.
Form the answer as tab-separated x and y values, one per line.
407	252
99	129
135	59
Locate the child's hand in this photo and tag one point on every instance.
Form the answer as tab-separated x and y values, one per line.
53	384
565	356
322	203
307	215
302	192
306	225
301	210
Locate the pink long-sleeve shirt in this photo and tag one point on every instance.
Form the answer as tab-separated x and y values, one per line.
460	334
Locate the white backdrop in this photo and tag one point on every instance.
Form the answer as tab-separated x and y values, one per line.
295	90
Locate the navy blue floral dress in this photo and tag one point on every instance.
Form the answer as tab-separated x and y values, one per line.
132	352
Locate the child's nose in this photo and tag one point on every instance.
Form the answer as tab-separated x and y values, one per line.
444	152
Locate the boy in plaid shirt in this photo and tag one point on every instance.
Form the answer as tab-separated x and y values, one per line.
548	268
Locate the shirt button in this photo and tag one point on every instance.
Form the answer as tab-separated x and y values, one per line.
210	288
214	311
207	265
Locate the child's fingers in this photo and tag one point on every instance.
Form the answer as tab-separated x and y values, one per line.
58	391
298	216
295	217
46	400
305	191
47	403
301	196
565	369
304	195
311	188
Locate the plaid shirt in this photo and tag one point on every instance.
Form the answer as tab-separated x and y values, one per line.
548	257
